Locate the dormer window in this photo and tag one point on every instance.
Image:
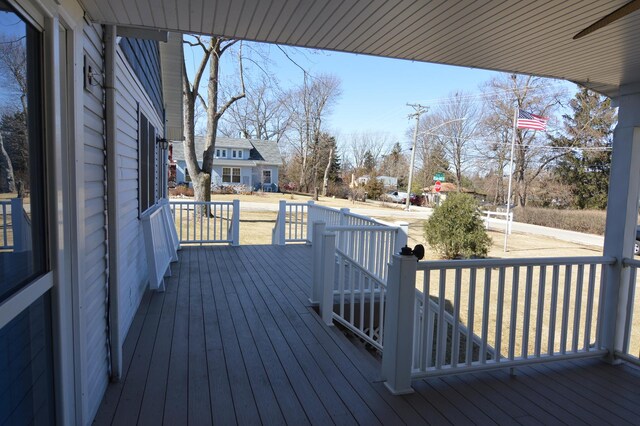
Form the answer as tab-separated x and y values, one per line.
217	153
236	153
240	153
233	153
221	153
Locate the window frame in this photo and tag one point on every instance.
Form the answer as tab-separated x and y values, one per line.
148	164
264	180
231	175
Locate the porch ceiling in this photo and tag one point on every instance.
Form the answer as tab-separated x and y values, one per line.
532	37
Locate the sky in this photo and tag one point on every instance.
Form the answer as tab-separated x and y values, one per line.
375	91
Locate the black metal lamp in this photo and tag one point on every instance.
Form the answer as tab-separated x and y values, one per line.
162	143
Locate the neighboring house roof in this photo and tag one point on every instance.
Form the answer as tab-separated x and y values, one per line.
448	187
261	152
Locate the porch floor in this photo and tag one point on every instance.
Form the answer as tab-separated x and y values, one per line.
234	340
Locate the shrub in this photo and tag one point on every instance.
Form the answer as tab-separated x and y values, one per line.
455	228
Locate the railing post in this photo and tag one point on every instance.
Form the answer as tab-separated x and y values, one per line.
235	224
281	223
343	216
316	263
399	322
327	273
18	225
311	217
402	236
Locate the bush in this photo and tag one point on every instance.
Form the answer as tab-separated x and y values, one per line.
455	228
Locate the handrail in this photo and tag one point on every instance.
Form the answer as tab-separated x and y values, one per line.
524	261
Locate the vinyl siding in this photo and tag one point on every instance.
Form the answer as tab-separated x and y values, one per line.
94	256
132	264
143	57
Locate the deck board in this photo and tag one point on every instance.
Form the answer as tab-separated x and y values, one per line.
234	340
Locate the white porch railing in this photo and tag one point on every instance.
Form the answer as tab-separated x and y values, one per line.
220	225
503	215
295	221
291	223
497	313
349	270
15	230
631	346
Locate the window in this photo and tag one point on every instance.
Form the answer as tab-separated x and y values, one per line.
240	154
187	177
23	235
224	153
217	153
266	176
233	153
26	341
148	168
231	174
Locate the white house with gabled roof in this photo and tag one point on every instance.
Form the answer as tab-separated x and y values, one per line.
252	163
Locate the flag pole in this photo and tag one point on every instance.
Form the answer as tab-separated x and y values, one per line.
513	142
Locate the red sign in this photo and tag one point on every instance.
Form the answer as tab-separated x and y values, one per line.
437	186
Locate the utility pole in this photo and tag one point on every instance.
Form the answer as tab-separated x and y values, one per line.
419	110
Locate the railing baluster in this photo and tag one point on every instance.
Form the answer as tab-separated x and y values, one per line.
342	276
383	295
427	321
352	296
589	313
630	301
441	346
553	309
470	315
540	311
485	315
455	341
514	311
361	289
372	311
526	321
499	311
603	279
565	309
577	310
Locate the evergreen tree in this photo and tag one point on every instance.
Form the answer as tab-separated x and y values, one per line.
586	169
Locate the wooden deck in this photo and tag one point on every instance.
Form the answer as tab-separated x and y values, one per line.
233	340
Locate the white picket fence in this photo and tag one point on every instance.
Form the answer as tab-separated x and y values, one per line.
219	224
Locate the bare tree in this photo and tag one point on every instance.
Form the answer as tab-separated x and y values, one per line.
368	145
531	153
458	121
308	106
212	50
261	115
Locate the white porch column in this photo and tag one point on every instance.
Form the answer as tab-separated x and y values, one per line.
622	215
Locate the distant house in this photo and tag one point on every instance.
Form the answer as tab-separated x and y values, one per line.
387	181
446	188
249	162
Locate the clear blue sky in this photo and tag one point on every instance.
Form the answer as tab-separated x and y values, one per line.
375	90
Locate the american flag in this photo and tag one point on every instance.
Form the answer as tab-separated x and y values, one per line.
526	120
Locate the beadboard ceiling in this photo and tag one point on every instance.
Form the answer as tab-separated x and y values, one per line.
532	37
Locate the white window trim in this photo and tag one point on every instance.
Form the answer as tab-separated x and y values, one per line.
16	304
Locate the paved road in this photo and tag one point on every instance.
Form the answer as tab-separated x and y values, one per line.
416	212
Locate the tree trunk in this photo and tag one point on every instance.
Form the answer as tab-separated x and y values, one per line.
7	179
325	179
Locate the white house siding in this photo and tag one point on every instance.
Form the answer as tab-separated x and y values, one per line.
245	175
257	175
94	282
132	266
